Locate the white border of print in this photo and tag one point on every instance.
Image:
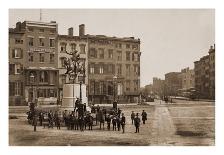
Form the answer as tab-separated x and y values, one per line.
5	149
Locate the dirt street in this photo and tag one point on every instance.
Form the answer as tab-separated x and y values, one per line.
167	124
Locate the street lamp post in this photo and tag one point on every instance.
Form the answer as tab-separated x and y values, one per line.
31	83
114	79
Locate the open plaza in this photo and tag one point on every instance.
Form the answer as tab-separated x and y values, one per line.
184	123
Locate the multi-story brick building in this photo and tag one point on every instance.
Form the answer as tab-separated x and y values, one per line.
69	44
16	63
173	82
158	86
205	75
113	68
38	58
187	78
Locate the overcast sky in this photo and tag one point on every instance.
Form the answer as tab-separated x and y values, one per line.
170	39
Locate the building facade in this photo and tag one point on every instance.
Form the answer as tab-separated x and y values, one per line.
173	82
187	78
16	65
38	60
69	44
205	75
113	68
158	86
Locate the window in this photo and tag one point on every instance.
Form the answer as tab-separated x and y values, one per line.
17	53
136	69
101	87
30	41
41	30
43	76
73	46
128	57
119	56
135	47
11	68
18	41
52	58
127	85
15	68
93	53
15	88
128	70
41	41
118	45
91	69
11	88
127	45
82	48
52	43
101	53
30	57
110	54
63	79
119	69
18	68
101	69
135	57
63	59
30	29
52	31
110	68
41	57
63	47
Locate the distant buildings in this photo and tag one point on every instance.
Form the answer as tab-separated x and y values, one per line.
188	78
205	75
158	86
200	80
173	82
37	71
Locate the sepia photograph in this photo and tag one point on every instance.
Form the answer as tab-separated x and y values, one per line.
111	77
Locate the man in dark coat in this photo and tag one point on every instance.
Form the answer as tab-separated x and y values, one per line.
58	122
34	122
118	123
132	117
108	122
144	116
123	122
137	123
114	122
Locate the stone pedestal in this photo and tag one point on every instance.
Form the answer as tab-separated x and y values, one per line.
70	93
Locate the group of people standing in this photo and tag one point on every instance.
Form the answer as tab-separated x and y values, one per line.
74	121
135	119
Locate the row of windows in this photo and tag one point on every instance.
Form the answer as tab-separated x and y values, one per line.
110	69
41	42
100	53
109	88
15	69
42	57
44	77
41	30
15	88
72	46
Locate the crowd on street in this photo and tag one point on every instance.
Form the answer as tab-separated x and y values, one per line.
80	119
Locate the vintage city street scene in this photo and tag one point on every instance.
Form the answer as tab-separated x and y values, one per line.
111	77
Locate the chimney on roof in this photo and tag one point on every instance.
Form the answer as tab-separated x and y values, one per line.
70	31
18	26
82	30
